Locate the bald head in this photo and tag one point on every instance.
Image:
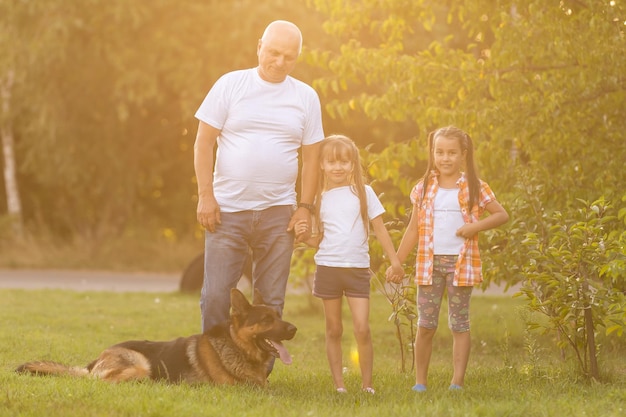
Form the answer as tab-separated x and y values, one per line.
278	50
283	28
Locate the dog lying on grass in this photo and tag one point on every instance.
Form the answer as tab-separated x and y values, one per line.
238	352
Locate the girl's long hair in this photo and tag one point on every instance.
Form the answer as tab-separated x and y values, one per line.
471	173
342	147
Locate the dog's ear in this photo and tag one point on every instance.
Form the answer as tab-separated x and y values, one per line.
258	297
238	301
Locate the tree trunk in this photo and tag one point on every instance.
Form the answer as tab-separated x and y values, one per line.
591	344
591	338
14	206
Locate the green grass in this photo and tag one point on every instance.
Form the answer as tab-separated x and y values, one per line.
506	377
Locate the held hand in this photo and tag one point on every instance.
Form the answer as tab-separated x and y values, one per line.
300	228
302	218
395	274
208	213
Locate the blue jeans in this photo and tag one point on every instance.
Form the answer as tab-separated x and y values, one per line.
262	233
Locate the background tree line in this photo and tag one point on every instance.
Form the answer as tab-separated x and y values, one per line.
97	103
102	99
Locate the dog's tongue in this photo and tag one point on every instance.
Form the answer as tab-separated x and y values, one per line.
282	352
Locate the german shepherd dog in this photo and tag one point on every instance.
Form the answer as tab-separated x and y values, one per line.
238	352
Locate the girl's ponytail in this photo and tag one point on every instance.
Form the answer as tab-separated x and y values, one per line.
471	172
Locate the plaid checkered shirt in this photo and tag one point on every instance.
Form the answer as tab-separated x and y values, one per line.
468	270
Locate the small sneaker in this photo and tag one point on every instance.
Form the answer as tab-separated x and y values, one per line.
369	390
342	390
419	388
455	387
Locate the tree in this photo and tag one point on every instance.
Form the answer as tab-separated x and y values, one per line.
569	280
21	30
540	87
539	101
14	205
103	103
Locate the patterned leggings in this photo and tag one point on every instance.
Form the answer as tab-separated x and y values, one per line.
429	297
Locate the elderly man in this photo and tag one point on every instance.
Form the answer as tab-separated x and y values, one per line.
259	119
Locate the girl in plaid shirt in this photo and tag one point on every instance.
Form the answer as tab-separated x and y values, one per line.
448	203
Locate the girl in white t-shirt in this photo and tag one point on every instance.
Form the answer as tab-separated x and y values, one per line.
345	208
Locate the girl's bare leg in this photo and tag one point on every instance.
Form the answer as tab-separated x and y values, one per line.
334	331
460	356
360	308
423	351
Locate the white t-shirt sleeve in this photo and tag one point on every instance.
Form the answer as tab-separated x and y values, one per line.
374	206
214	108
313	129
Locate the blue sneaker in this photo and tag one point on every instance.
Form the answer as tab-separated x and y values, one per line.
419	388
455	387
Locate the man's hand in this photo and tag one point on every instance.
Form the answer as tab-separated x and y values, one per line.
208	213
302	217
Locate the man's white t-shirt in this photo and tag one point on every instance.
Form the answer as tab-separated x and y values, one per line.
345	242
263	125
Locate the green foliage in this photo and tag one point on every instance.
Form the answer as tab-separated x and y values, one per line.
537	103
103	104
542	100
540	88
567	279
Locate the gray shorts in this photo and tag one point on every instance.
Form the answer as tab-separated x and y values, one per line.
333	282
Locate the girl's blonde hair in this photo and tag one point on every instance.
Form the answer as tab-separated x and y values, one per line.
341	147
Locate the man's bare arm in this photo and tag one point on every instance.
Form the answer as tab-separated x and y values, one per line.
208	211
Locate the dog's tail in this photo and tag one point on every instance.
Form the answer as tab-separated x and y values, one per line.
51	368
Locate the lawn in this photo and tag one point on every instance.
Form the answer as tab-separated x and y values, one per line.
511	372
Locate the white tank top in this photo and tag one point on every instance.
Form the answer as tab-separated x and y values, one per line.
447	220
